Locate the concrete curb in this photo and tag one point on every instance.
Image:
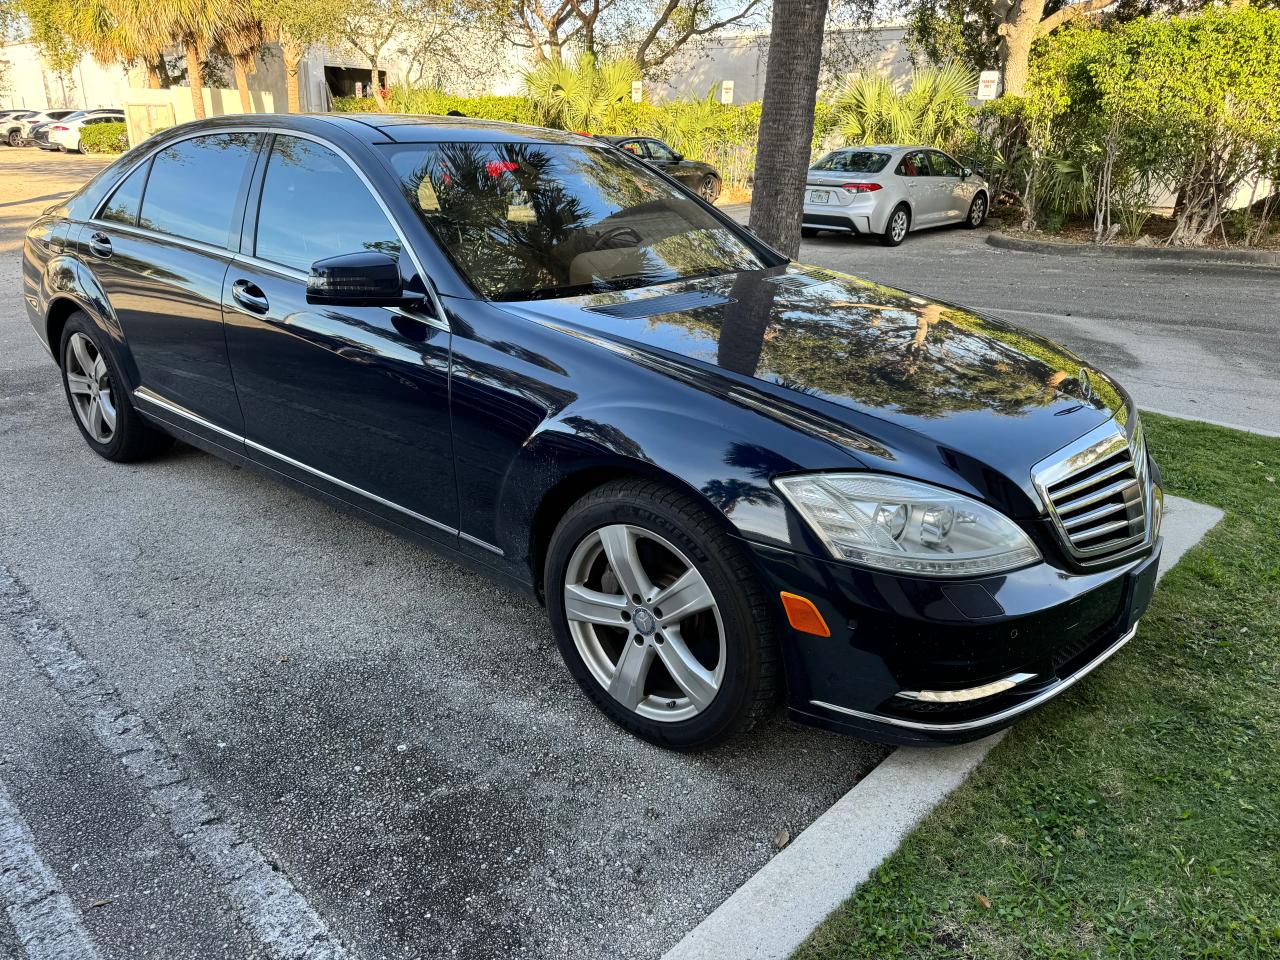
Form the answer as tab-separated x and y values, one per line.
1256	258
773	912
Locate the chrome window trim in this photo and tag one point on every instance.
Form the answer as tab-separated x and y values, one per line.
995	718
150	396
440	320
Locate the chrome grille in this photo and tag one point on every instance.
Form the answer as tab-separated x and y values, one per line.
1096	493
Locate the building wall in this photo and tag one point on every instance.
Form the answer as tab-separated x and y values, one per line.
29	82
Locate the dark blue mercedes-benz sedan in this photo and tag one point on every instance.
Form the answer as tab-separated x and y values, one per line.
731	478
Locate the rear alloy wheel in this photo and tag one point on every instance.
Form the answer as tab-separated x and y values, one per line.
709	189
96	392
895	231
659	616
977	212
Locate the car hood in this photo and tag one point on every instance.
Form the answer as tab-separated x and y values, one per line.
879	361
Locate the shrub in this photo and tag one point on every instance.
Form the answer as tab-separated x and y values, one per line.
104	138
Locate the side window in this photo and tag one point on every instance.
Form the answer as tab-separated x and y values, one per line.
633	146
943	166
914	164
127	200
315	206
660	151
194	188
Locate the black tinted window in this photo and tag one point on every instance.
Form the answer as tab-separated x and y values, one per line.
195	185
546	220
853	161
124	203
660	151
914	164
315	206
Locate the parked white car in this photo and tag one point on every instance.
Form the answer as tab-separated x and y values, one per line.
17	129
64	135
887	191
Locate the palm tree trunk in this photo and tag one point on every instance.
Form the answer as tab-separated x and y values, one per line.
153	77
292	55
786	121
195	77
377	85
242	84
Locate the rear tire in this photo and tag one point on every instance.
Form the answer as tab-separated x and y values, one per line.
720	640
99	399
897	226
709	189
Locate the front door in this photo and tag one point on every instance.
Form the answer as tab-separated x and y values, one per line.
950	186
353	400
160	247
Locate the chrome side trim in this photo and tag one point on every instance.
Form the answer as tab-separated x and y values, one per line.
349	486
967	693
995	718
142	393
482	544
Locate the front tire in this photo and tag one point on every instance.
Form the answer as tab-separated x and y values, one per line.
660	616
709	188
897	227
15	139
98	397
977	212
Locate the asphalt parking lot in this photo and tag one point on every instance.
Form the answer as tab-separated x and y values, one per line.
395	737
340	733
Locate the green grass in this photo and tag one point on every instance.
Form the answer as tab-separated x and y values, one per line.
1139	815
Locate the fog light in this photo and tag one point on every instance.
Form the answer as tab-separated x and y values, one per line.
969	693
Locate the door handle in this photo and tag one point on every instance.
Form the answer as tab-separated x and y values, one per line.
100	245
250	296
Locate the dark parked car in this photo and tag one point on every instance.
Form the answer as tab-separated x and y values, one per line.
700	177
731	478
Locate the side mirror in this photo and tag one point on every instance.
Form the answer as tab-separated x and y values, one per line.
365	279
966	172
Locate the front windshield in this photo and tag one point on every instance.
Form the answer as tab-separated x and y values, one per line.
535	220
853	161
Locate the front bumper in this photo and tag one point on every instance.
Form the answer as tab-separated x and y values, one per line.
982	652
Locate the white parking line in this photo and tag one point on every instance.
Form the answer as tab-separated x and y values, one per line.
47	924
270	906
776	910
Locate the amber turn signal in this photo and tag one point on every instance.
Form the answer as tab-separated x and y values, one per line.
804	616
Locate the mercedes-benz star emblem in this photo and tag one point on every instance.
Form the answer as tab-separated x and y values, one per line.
1086	386
644	621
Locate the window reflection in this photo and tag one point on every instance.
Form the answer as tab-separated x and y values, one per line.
526	221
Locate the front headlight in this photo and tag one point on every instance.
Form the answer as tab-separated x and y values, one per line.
907	527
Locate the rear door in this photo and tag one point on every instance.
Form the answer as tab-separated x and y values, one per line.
160	246
353	400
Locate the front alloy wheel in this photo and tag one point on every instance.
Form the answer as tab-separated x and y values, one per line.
977	212
645	623
709	189
659	615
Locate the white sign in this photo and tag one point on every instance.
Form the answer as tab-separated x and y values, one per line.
988	84
637	91
726	91
359	89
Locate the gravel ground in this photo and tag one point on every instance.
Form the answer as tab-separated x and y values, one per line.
394	734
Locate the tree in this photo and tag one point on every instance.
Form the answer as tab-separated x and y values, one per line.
648	34
1020	23
297	25
934	109
582	95
786	121
241	36
368	27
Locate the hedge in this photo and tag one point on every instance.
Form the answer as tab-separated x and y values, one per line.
104	138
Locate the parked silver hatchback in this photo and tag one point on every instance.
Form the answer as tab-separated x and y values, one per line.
888	191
